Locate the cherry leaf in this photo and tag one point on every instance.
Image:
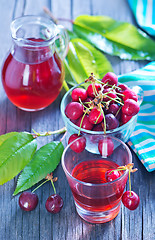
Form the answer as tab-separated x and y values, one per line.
115	38
83	59
69	78
43	162
16	150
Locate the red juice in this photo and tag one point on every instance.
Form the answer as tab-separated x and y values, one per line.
33	85
98	198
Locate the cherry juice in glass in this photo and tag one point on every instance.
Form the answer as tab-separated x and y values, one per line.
96	200
93	172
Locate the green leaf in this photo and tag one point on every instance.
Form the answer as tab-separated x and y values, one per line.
65	86
69	78
6	136
16	150
115	38
43	162
72	35
84	59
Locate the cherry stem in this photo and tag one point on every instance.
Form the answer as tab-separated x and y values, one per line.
103	84
94	89
104	122
115	100
118	111
121	94
48	12
84	104
55	20
53	187
82	121
129	168
120	169
40	185
64	135
59	131
99	114
130	182
65	20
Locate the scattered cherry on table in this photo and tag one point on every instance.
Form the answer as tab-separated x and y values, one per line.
54	203
28	201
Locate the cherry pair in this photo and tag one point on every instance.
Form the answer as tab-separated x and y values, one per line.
29	200
105	145
130	199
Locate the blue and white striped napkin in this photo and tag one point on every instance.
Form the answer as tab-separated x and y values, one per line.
144	12
142	141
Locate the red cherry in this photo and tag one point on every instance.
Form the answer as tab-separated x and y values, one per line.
118	116
111	121
87	100
99	127
54	203
74	110
90	90
110	78
106	147
130	200
121	88
130	107
28	201
113	108
95	116
74	121
112	175
79	145
107	89
129	94
110	95
79	93
106	86
86	124
125	118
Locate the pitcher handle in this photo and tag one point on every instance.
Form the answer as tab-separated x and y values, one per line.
62	42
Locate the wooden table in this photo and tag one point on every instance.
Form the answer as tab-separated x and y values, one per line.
39	224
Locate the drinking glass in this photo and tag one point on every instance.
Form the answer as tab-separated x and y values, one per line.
96	200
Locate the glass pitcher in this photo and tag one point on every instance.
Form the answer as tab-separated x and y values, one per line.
33	72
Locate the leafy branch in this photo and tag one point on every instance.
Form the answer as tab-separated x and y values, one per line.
18	152
91	36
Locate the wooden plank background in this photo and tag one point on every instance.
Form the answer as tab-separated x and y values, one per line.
67	225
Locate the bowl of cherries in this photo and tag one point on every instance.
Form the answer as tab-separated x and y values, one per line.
101	106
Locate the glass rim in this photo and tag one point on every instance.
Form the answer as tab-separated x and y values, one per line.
99	184
18	22
62	106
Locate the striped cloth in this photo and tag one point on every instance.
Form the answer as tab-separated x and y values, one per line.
144	12
142	141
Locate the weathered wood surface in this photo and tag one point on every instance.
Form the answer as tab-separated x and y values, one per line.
67	225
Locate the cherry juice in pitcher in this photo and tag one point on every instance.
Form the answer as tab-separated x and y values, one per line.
33	73
32	86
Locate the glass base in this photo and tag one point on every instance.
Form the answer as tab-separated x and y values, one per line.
31	110
98	217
